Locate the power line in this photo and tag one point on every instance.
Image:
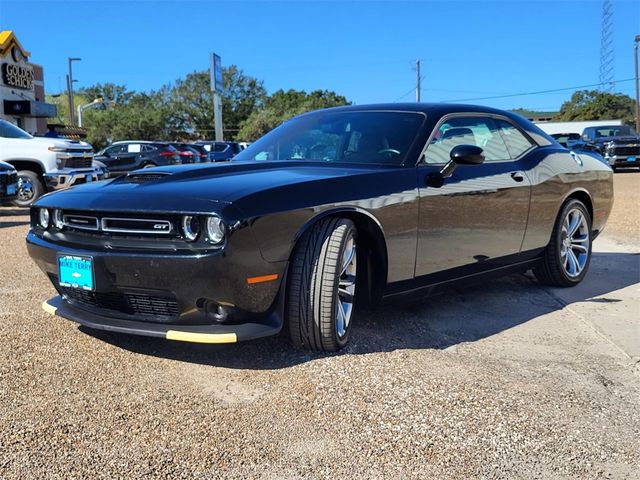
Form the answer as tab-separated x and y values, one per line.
534	93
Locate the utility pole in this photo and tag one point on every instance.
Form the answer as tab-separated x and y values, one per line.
72	119
418	80
635	48
216	87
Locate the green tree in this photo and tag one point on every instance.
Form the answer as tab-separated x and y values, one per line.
192	99
282	105
107	91
596	105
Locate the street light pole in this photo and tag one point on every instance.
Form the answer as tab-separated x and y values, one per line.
635	48
72	119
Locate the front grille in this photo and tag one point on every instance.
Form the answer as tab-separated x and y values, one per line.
81	222
78	162
109	224
8	179
626	150
145	307
136	225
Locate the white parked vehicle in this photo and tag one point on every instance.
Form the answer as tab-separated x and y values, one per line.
45	164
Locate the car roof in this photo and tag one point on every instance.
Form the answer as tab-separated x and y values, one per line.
427	108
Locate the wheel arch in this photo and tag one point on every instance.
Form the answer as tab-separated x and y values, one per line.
582	195
31	165
371	237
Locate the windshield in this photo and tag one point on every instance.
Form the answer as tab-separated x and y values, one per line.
9	130
350	136
614	131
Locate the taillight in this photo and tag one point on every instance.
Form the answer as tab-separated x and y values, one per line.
167	154
186	154
202	155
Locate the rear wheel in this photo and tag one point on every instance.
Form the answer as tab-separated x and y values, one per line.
30	188
567	257
321	286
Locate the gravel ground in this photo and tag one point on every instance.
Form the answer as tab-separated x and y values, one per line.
504	380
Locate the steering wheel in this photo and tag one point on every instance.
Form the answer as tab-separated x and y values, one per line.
388	150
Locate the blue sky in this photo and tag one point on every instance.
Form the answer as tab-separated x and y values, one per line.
364	50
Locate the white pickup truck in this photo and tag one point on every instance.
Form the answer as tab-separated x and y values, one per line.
45	164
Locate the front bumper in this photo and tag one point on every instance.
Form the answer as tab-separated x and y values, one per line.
185	333
66	177
166	295
623	160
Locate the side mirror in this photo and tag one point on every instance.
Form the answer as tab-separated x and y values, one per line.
467	155
460	155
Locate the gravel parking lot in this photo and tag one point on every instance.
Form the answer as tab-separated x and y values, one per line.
503	380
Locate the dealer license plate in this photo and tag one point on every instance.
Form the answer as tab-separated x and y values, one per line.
75	272
88	179
631	159
12	189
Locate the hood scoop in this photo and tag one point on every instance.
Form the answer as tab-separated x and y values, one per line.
138	177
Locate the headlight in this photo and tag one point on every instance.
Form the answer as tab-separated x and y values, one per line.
43	218
57	149
216	229
57	219
190	227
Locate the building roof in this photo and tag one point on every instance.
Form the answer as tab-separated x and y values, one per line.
8	40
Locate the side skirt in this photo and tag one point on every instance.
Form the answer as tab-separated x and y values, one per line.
435	284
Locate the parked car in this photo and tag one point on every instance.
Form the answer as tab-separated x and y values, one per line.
187	153
334	209
45	164
8	183
134	154
205	156
618	144
221	151
568	140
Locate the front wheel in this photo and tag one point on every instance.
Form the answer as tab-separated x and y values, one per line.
322	285
567	257
30	188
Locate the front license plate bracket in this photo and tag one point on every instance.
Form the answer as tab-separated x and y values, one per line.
76	271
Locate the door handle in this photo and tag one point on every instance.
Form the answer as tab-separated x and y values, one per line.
517	176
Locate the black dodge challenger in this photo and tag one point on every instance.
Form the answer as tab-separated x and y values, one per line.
333	209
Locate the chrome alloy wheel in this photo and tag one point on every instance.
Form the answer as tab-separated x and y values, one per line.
346	287
25	189
574	243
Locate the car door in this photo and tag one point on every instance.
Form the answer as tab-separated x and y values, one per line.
480	213
111	156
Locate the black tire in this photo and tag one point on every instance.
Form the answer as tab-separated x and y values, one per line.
555	266
313	299
148	165
30	188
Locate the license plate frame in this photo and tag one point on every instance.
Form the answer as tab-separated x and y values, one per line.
76	271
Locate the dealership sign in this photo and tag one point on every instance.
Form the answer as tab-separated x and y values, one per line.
17	76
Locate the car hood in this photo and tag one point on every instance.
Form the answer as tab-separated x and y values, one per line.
5	167
195	188
61	142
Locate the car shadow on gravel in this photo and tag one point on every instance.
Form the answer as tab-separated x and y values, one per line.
13	212
463	315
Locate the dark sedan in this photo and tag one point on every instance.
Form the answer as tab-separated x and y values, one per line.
134	154
8	183
333	210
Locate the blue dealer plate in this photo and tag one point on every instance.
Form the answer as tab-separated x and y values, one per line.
631	159
12	188
75	272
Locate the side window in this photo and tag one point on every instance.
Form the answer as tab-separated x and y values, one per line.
115	150
220	147
480	131
148	148
516	142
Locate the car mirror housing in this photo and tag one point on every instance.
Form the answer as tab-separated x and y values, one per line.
467	155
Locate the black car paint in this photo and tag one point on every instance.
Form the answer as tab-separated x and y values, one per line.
486	219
